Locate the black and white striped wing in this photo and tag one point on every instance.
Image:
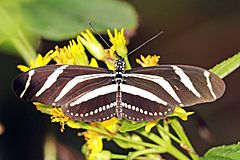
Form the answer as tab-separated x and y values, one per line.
158	89
97	104
64	85
139	103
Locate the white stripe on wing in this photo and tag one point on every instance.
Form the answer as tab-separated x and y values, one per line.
161	82
76	80
185	80
51	79
30	74
95	93
141	93
209	84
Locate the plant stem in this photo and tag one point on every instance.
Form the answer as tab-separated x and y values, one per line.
168	146
160	128
135	154
153	137
117	136
180	132
118	156
163	134
120	137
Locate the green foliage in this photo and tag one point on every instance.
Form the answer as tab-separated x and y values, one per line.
226	67
22	22
226	152
58	20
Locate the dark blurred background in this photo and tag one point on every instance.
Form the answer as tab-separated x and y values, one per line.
199	32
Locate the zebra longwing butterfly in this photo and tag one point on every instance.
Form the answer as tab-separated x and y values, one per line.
96	94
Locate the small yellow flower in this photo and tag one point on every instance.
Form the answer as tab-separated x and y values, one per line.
110	58
94	141
148	61
181	113
118	41
110	125
59	116
78	52
150	125
38	62
23	68
74	53
119	45
63	56
92	45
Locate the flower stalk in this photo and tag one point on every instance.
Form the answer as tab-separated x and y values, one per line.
168	146
181	134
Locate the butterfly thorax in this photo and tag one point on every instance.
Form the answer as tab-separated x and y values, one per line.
119	71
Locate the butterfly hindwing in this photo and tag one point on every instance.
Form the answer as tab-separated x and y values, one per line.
139	108
100	108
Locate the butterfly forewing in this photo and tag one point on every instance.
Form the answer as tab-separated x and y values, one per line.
178	85
58	84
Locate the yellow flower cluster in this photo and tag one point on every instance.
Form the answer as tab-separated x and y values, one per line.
94	145
118	41
94	141
148	61
38	62
59	116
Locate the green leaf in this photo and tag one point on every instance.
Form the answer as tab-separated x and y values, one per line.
58	20
13	34
228	152
127	126
228	66
23	22
9	20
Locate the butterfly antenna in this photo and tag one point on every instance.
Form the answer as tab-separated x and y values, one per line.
98	34
143	44
102	38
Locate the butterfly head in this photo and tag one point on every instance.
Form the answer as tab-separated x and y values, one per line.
120	64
